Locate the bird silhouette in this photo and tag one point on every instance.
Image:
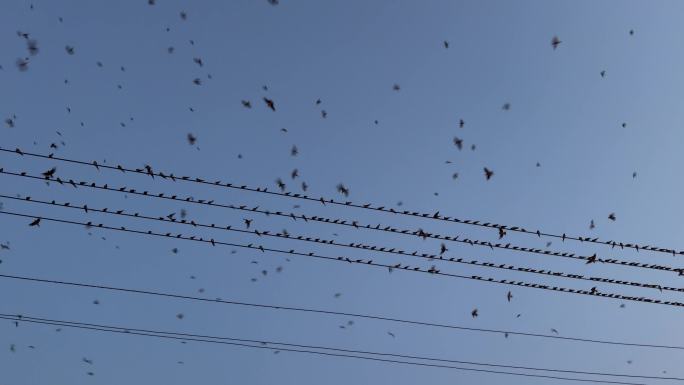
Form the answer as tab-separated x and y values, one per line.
49	173
294	151
488	173
246	104
603	73
248	222
192	139
458	142
509	296
555	42
269	103
612	217
446	44
36	222
461	123
342	189
474	313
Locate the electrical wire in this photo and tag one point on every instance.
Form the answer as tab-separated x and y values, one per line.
327	242
434	216
343	259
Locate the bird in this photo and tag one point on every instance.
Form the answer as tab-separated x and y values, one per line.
461	123
634	174
509	296
305	186
474	313
443	249
294	151
624	125
248	222
591	259
631	32
458	142
273	2
9	122
269	103
446	44
246	104
180	316
591	225
342	189
506	106
396	87
603	73
555	42
391	334
488	173
324	114
294	174
280	184
70	50
32	46
554	331
87	361
612	217
49	173
36	222
22	64
192	139
183	15
198	61
502	232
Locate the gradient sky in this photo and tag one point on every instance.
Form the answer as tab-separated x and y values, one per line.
349	54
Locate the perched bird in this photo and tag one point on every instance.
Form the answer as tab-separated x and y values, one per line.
555	42
269	103
488	173
591	259
36	222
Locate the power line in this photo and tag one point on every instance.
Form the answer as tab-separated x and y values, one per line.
132	191
432	270
335	313
326	242
296	348
435	216
365	352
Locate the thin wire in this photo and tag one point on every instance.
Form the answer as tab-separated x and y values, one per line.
331	312
374	248
435	216
432	270
178	336
404	356
125	190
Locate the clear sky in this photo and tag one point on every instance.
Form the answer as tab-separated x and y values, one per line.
563	114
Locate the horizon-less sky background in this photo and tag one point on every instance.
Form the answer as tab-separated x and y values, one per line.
349	55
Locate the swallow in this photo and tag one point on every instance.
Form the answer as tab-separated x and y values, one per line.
36	222
612	217
555	42
488	173
474	313
461	123
509	296
246	104
248	222
446	44
49	173
192	139
458	142
269	103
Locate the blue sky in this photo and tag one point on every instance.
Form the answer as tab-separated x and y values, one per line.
349	54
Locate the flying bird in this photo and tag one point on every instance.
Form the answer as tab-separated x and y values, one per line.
612	217
555	42
49	173
488	173
509	296
247	104
474	313
603	73
248	222
70	50
36	222
192	139
446	44
458	142
269	103
461	123
294	151
342	189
